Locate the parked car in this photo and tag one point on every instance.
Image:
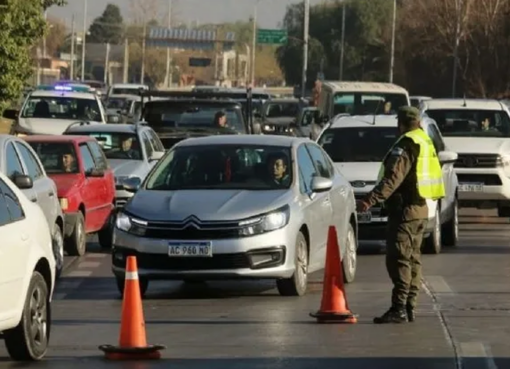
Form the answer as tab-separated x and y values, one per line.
131	150
27	272
18	160
85	183
237	206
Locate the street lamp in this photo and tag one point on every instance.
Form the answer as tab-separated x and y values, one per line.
305	47
83	47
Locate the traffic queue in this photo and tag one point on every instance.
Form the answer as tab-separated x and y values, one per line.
221	183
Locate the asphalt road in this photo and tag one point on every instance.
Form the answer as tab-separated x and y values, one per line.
463	318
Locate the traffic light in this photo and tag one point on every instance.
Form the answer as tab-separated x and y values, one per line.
199	62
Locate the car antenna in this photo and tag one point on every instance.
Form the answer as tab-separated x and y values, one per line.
375	112
465	102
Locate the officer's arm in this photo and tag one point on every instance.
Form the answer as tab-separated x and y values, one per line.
397	168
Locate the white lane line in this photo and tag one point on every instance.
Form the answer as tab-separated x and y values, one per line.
89	264
478	350
438	284
96	256
80	273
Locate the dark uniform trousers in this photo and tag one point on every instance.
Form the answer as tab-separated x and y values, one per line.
403	258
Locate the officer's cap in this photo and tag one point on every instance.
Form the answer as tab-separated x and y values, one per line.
408	114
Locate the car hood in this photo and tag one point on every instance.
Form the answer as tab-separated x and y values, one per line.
478	145
360	171
126	168
45	126
208	205
66	183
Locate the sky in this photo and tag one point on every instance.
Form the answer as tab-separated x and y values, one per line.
270	12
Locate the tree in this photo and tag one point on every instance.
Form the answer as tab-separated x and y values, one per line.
21	26
107	28
56	36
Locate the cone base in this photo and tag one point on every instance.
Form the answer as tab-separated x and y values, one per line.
345	317
150	352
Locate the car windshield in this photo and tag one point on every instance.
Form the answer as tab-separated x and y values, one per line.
191	116
358	144
56	157
61	107
471	123
282	110
117	103
368	103
116	145
223	167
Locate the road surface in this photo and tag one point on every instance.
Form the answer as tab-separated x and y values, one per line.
463	318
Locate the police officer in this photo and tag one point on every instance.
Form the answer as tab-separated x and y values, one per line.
410	174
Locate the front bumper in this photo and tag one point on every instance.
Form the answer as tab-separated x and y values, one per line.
232	258
486	186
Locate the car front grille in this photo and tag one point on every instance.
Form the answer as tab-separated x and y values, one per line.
192	229
478	161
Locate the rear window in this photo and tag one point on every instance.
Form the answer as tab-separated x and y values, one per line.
368	103
56	157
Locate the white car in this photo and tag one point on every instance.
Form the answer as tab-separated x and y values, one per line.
27	274
479	131
357	146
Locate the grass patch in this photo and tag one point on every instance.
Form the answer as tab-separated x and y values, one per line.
5	125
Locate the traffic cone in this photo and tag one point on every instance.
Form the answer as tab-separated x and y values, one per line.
334	307
132	340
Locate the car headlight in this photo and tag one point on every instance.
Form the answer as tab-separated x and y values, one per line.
64	203
504	160
129	224
265	223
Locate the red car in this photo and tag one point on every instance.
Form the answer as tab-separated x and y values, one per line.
86	187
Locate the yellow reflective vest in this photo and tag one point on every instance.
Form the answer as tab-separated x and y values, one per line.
428	169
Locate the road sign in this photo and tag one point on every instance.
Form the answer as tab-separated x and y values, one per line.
272	36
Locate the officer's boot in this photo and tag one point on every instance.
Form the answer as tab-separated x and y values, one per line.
393	315
410	313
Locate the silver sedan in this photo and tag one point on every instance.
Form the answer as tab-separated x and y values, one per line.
240	206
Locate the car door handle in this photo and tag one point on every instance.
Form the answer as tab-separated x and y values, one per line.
33	199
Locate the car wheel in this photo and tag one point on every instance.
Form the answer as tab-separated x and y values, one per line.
450	230
296	285
143	282
350	259
105	235
29	340
58	249
76	244
432	244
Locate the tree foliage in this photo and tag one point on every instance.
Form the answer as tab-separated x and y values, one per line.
107	28
21	26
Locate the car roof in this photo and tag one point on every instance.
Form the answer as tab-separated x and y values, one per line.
106	128
364	86
478	104
125	96
77	95
354	121
58	139
282	100
177	101
267	140
129	85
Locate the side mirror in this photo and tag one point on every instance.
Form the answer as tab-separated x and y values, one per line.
11	114
132	184
23	182
95	173
113	118
446	157
321	184
156	155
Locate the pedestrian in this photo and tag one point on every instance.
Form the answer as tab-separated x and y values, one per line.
410	174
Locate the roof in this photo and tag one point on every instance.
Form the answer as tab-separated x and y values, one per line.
281	101
106	128
180	101
59	138
76	95
268	140
347	121
477	104
364	87
420	97
125	96
129	85
182	38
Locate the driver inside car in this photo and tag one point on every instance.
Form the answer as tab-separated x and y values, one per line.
277	166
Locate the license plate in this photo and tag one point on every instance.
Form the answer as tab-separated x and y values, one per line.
471	187
365	217
190	249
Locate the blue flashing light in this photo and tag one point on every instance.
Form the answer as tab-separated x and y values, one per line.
64	88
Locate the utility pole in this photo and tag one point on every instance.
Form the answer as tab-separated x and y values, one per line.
254	45
126	61
458	11
142	73
305	47
107	64
393	26
73	41
168	79
342	44
44	38
83	40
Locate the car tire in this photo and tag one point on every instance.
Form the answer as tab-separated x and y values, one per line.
349	261
450	231
21	343
57	239
143	283
297	284
105	235
76	243
432	244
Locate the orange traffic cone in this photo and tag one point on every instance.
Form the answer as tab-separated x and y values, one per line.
334	306
132	341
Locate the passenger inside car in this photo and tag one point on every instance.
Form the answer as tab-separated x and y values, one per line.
277	165
69	162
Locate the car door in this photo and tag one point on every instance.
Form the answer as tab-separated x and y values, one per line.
44	187
101	164
13	167
316	207
92	194
14	251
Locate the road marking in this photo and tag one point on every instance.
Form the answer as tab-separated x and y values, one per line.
478	350
80	273
89	264
97	256
438	284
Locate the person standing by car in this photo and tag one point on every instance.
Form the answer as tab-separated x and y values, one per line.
410	174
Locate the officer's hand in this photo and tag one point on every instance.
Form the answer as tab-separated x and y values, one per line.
361	206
